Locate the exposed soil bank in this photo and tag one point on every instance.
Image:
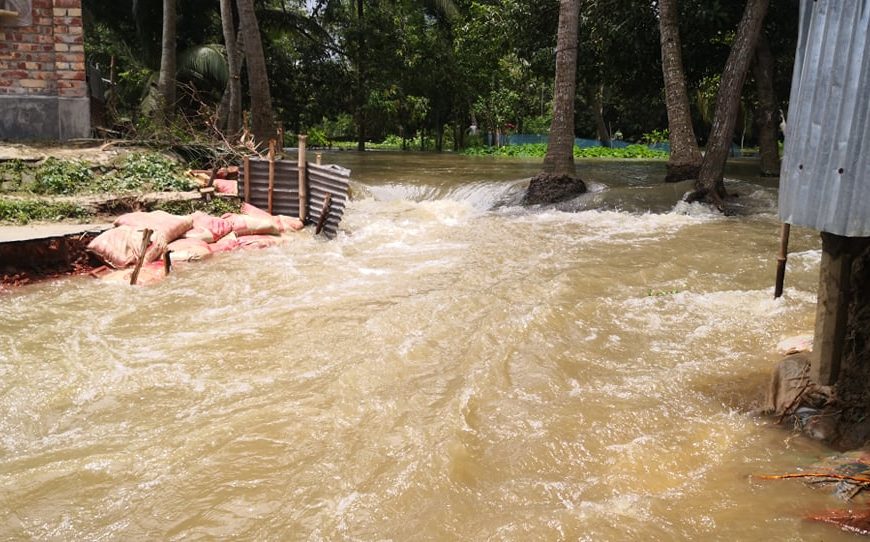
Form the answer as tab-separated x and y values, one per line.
26	262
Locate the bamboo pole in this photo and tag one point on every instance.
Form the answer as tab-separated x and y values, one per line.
303	180
781	259
167	262
318	159
247	166
146	238
271	196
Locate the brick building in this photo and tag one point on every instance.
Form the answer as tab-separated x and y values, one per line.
43	91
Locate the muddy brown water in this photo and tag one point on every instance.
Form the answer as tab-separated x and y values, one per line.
452	367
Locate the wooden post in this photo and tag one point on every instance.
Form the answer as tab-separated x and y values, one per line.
318	159
247	165
271	195
838	254
146	238
303	180
167	262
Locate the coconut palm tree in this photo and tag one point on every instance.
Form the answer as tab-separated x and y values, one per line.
166	81
560	150
262	116
685	158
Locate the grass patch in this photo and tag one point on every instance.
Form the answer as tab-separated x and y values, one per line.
25	211
138	172
539	150
215	207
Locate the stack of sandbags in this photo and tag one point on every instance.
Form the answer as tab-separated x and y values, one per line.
187	238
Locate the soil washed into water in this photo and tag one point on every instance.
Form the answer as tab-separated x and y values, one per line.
451	367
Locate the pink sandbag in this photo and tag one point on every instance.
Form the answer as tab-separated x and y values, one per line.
187	250
227	244
217	226
166	227
251	225
282	222
151	273
250	210
286	224
200	234
225	186
121	247
259	241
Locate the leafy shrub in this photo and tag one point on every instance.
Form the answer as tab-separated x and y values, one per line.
656	136
539	150
154	171
62	177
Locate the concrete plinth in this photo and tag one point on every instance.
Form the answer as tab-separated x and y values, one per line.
44	117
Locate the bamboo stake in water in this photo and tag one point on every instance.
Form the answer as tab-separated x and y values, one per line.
146	238
781	260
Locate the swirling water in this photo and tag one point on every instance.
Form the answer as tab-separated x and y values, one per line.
451	367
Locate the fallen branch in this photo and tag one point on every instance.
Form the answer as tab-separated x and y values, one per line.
831	475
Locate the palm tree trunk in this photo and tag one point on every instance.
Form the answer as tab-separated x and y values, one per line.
262	117
768	142
361	77
233	109
685	159
559	159
710	186
166	79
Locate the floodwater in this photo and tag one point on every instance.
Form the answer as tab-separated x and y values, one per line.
451	367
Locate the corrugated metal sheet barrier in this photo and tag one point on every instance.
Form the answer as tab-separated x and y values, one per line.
320	181
825	177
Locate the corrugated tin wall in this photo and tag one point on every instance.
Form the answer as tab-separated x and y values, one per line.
322	179
825	180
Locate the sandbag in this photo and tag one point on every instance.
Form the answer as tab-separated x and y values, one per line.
251	225
187	250
200	234
149	274
226	186
166	227
121	247
283	223
217	226
259	241
227	244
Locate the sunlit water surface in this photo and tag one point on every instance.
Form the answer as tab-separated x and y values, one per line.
451	367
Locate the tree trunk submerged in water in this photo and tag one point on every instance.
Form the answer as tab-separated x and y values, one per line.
685	158
710	186
558	181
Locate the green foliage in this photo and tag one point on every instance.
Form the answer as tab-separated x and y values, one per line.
147	171
317	138
656	136
539	150
21	211
539	125
62	177
215	207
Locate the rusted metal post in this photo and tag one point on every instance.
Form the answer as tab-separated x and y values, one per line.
303	180
781	260
246	163
271	195
146	238
324	214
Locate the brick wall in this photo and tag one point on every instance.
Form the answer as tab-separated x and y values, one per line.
46	58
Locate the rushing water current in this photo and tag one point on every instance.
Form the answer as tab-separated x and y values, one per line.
451	367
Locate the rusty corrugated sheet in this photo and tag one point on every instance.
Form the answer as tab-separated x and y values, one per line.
825	181
324	179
